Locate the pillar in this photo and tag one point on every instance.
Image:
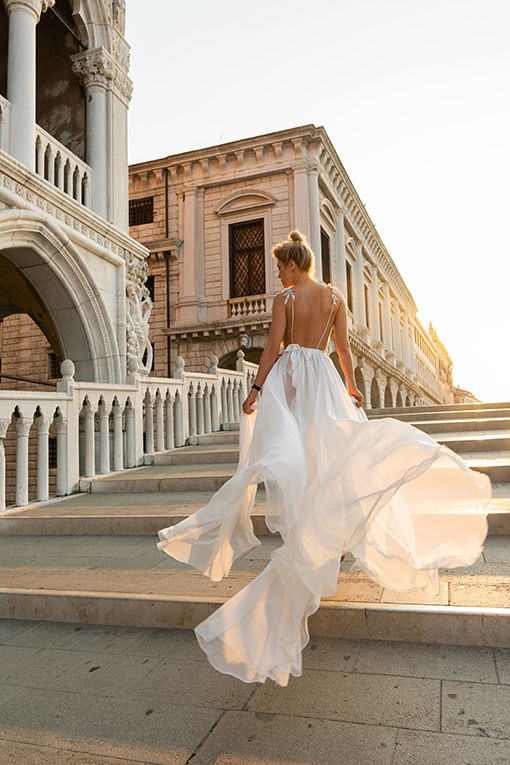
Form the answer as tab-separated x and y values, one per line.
376	325
315	226
360	294
190	276
341	268
400	349
301	200
23	18
386	312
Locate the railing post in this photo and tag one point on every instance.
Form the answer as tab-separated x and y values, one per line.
200	410
4	424
118	452
207	409
215	421
179	421
169	410
90	446
104	439
160	424
236	400
130	436
62	455
149	424
42	458
230	403
192	412
22	427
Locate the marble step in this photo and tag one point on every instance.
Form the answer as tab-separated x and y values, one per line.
198	455
126	581
463	425
479	442
444	407
497	468
440	414
154	478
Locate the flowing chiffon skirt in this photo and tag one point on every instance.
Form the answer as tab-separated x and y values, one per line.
335	482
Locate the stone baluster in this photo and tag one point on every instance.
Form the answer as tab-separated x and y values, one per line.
50	158
118	446
207	409
160	423
59	172
215	421
90	456
179	421
235	394
149	424
61	428
4	424
42	458
86	191
68	179
192	411
130	436
104	439
230	403
200	410
22	427
169	411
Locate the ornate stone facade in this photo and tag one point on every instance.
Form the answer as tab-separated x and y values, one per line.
186	208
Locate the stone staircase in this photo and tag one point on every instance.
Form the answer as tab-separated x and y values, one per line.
93	558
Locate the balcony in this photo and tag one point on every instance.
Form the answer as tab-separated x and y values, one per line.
249	305
62	168
5	123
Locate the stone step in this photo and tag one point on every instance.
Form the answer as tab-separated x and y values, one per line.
497	468
156	478
221	437
201	455
128	581
476	406
479	442
474	414
463	426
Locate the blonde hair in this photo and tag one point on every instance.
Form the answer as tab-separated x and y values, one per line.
296	248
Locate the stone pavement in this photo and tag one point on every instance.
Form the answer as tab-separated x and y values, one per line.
77	693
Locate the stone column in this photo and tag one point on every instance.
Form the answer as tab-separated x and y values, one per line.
190	277
96	69
359	306
376	325
23	18
408	348
388	342
341	269
301	202
400	349
315	227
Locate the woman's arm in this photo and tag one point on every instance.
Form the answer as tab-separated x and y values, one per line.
270	353
343	348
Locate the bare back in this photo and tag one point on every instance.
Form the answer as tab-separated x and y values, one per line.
311	310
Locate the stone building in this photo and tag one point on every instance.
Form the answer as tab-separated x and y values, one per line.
209	218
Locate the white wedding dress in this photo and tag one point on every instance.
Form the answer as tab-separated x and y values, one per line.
335	482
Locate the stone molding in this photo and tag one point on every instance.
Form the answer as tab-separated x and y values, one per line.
98	67
138	310
36	7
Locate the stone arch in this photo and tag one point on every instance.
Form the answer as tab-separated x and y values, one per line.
408	400
398	401
61	294
388	396
244	199
336	361
228	360
375	394
360	380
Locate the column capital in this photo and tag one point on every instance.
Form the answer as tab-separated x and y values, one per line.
94	67
35	7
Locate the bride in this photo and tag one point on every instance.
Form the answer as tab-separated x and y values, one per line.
335	482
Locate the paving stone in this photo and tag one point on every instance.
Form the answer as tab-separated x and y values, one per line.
476	709
408	702
193	683
502	656
30	754
338	654
261	738
417	596
487	594
497	548
77	637
420	748
167	643
355	589
457	662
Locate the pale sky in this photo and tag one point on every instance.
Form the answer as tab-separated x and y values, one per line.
413	95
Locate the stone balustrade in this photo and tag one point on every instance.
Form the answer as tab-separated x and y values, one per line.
5	124
101	428
249	305
62	168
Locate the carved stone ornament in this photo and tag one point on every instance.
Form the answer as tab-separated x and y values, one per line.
117	14
138	310
36	6
94	68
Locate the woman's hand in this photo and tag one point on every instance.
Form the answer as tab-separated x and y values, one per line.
249	401
353	391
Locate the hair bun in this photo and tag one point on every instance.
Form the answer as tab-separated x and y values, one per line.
296	236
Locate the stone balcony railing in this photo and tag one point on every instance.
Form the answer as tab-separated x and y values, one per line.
62	168
5	120
250	305
102	428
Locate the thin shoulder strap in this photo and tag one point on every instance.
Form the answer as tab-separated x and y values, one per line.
290	293
334	301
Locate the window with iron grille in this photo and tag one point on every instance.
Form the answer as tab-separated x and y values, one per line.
52	452
53	366
149	283
325	257
348	269
141	211
247	262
